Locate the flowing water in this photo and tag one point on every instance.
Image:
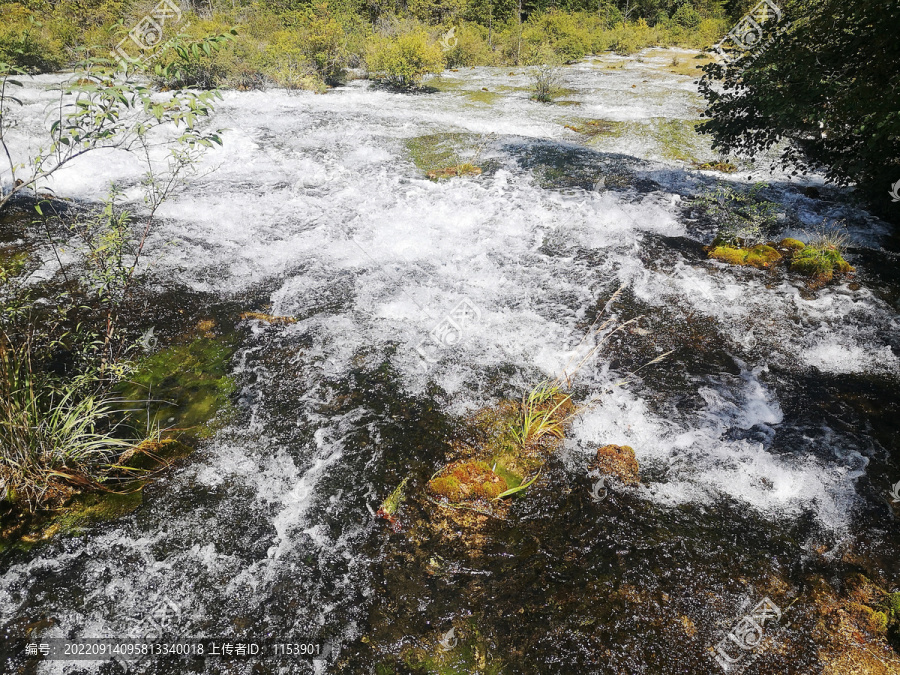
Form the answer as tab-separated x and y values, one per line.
767	440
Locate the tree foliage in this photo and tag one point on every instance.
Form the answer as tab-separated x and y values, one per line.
828	88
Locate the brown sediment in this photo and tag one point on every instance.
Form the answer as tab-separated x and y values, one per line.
267	318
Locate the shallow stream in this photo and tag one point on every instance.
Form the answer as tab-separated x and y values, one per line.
768	440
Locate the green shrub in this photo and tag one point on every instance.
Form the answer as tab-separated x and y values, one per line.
325	45
545	73
560	31
25	42
468	46
405	60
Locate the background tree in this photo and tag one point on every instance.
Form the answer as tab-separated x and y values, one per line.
828	88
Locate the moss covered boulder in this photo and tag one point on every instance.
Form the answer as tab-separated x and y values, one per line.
791	244
618	461
467	481
820	263
761	256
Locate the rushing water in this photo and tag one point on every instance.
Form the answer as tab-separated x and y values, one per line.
767	440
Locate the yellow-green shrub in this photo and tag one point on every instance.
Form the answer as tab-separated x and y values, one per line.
26	42
405	59
469	46
560	31
325	44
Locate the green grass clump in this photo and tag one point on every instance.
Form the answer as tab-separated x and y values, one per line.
54	438
821	262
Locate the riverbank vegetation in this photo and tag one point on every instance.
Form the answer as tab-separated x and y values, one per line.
312	45
69	422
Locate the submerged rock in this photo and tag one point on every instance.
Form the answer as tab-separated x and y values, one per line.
618	461
468	480
452	171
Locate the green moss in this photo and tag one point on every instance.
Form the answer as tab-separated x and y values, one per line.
468	480
512	478
793	244
92	508
188	385
761	255
820	263
483	96
81	512
436	152
446	486
12	263
464	169
729	254
677	139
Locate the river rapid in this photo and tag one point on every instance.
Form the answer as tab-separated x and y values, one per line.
767	439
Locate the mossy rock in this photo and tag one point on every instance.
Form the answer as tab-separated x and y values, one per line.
821	264
467	481
81	511
761	256
618	461
791	244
